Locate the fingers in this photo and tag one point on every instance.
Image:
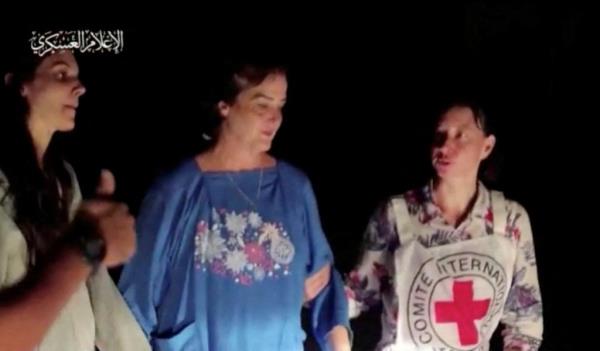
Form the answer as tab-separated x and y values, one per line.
107	184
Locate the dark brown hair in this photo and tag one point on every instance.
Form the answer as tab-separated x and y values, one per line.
234	78
489	171
40	195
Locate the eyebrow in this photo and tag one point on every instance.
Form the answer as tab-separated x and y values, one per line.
59	63
464	126
264	96
64	63
261	95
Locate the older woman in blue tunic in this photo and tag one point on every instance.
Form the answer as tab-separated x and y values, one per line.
230	242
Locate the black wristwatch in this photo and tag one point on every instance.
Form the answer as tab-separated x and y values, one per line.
84	235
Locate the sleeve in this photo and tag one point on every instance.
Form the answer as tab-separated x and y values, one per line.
116	328
142	281
329	308
373	274
13	252
13	247
522	316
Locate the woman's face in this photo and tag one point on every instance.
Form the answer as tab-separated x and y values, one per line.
255	116
460	145
53	92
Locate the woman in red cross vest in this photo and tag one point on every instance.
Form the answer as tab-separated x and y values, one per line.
454	259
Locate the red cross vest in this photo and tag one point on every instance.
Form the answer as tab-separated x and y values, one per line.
451	297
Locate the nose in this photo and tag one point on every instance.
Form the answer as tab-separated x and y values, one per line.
440	141
79	89
276	116
449	147
443	145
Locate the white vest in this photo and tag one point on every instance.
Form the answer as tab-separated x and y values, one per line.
450	297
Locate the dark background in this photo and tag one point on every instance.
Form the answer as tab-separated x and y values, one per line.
363	86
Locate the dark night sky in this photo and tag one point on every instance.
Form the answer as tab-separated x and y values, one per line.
361	95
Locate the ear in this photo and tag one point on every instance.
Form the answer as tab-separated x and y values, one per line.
223	109
488	146
8	78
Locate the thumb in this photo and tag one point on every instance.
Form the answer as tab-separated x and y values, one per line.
107	184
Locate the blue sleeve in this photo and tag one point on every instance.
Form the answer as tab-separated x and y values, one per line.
330	307
142	281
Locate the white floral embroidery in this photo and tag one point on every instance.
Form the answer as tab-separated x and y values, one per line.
242	247
201	247
232	241
268	232
235	223
236	261
259	274
216	247
282	251
215	215
255	220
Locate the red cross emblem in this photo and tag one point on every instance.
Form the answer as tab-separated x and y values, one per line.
463	311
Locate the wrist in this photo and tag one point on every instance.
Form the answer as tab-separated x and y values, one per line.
83	236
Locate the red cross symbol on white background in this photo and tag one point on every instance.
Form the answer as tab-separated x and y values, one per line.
463	311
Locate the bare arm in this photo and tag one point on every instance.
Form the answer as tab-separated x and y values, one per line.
316	282
28	310
339	339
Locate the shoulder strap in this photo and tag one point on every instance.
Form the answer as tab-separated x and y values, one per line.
499	211
404	226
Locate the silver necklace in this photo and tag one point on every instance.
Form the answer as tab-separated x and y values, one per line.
242	193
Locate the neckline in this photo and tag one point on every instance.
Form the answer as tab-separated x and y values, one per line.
477	207
265	169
